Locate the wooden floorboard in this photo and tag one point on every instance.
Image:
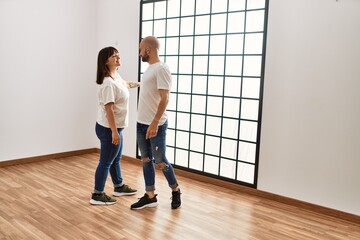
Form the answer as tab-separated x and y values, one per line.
50	200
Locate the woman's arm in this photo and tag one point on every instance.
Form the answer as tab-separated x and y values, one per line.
109	109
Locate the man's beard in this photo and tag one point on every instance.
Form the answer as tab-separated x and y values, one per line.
145	58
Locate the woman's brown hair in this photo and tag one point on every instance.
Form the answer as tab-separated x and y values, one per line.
102	68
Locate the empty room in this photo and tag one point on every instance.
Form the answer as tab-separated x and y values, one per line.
180	119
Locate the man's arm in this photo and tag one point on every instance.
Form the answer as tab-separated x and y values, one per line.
152	130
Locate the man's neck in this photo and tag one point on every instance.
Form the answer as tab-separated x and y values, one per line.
155	60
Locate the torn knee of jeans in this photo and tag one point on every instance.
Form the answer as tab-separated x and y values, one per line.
145	160
162	166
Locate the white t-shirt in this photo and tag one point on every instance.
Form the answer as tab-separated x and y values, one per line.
115	91
157	76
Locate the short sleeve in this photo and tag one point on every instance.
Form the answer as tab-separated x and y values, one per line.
163	77
106	94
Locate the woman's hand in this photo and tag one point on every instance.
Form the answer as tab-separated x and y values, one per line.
115	138
133	84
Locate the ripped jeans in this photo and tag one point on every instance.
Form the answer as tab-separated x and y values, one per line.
154	149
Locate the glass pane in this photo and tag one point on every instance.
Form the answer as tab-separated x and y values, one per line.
236	5
172	46
159	28
199	84
172	102
174	81
201	45
235	44
196	161
186	45
216	65
187	7
185	65
214	105
187	26
160	9
184	84
253	43
251	87
181	157
217	44
197	142
147	29
170	137
255	21
218	23
182	139
170	154
183	121
202	24
249	109
198	104
213	125
203	7
219	6
172	62
233	65
236	22
173	8
255	4
215	86
172	27
147	11
232	86
248	131
247	152
184	102
231	107
228	148
230	128
200	64
227	168
252	66
171	119
197	123
211	164
162	46
245	173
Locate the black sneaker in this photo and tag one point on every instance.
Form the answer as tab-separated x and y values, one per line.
124	190
175	200
144	202
101	199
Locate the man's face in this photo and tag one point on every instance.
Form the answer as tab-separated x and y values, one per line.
144	52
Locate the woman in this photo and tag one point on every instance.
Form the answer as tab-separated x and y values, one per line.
112	119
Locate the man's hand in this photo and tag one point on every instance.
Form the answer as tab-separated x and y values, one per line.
152	130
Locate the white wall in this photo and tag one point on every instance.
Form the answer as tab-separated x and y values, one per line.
48	54
47	71
310	141
310	134
118	26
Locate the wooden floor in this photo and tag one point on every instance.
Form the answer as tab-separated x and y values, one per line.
50	200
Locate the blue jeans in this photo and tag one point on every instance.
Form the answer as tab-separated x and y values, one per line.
110	156
154	149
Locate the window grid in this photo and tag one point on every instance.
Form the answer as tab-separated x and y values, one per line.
245	155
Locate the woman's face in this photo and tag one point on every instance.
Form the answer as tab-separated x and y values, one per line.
114	61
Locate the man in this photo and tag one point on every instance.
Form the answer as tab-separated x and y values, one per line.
152	124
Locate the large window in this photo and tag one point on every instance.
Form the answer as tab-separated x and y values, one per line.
216	51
